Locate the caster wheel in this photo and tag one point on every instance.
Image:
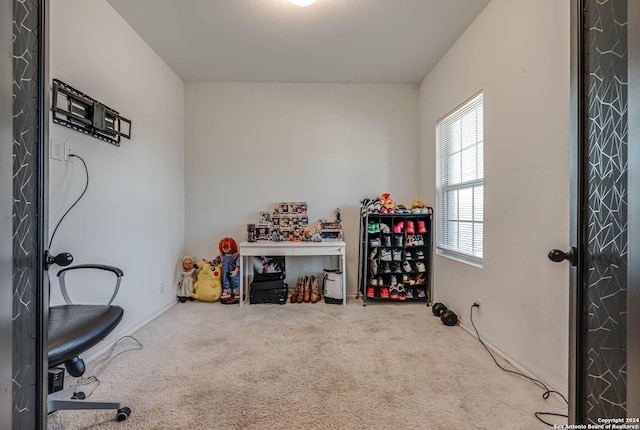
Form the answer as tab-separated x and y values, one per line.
79	395
123	414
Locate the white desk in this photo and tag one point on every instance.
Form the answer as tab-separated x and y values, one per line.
291	249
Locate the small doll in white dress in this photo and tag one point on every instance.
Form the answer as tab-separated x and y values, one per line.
185	279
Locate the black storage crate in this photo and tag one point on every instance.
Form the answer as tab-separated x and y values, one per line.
268	288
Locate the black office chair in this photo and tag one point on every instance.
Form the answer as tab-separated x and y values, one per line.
73	329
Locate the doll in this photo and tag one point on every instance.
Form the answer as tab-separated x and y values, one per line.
230	260
185	278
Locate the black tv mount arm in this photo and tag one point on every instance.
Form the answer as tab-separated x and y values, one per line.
82	113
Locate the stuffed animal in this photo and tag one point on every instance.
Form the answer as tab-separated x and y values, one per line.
230	261
208	287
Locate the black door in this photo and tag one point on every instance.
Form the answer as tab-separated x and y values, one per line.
603	233
23	161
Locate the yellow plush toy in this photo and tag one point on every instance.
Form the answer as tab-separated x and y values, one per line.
208	287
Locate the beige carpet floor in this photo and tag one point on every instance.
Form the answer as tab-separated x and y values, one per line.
307	366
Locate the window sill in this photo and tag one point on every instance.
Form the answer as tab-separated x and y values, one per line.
460	258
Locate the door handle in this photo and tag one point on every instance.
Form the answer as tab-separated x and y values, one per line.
63	259
558	256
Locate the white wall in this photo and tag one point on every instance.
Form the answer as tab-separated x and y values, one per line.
132	215
249	146
517	53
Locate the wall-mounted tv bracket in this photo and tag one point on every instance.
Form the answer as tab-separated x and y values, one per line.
80	112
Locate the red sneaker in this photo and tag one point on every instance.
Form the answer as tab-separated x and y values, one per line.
370	292
384	293
422	227
410	227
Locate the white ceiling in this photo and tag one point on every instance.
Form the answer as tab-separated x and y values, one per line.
375	41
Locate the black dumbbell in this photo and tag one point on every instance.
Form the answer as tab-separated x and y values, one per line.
447	316
438	309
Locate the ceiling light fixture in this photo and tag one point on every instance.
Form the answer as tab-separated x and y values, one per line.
303	3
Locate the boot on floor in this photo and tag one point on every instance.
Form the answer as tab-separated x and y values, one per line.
307	289
315	293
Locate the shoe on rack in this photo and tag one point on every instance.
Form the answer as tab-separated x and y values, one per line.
409	294
374	266
386	267
407	266
420	255
397	254
402	293
410	241
371	227
410	227
398	227
421	293
371	292
398	240
373	281
420	279
383	228
396	268
386	240
420	266
384	293
393	292
375	242
385	254
419	240
394	281
422	227
408	256
405	278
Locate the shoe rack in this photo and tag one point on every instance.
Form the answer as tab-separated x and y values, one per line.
395	263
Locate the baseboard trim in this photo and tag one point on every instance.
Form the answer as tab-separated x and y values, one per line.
514	363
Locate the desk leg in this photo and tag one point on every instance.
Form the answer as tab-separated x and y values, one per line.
241	280
343	260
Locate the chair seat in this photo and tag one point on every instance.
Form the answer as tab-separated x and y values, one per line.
75	328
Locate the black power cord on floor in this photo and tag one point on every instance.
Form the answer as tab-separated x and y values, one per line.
538	382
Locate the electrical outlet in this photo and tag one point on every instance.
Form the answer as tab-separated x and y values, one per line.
56	150
67	151
478	306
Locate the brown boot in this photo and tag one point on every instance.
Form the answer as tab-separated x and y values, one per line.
315	294
296	291
307	289
300	297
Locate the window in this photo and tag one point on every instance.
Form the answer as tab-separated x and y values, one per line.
461	182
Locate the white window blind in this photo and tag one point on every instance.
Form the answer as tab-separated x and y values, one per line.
461	182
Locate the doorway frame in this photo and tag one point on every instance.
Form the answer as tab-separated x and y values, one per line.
633	175
576	125
6	211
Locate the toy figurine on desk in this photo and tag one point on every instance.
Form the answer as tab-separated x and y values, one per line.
230	260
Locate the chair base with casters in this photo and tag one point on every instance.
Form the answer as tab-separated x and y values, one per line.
73	329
